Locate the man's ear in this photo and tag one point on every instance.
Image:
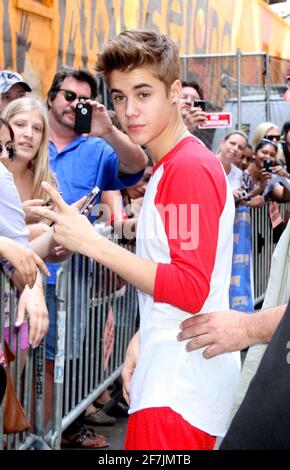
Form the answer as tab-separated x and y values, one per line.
175	91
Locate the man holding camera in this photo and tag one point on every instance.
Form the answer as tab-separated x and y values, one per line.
192	105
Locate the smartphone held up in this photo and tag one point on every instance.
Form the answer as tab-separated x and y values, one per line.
83	118
267	165
200	104
90	199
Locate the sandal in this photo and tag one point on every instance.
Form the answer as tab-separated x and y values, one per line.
85	439
99	418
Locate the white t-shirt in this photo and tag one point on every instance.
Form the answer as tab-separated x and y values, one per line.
12	220
186	226
235	177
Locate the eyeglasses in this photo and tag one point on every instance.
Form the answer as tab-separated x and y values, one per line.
273	137
71	96
10	149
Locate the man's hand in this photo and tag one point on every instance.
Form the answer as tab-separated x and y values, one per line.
101	122
219	332
33	303
132	158
193	117
24	260
130	362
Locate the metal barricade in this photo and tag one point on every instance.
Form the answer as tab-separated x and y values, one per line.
249	86
26	372
262	247
96	318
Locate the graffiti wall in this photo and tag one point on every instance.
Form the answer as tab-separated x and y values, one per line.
37	36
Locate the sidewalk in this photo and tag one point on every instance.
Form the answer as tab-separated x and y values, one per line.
115	434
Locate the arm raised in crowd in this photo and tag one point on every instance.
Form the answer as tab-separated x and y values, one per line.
229	330
132	158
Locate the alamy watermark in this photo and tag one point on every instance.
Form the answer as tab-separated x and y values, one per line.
181	222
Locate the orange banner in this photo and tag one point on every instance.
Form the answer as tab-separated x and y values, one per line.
38	36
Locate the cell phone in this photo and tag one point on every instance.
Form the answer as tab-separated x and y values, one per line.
90	198
244	196
267	164
200	104
83	118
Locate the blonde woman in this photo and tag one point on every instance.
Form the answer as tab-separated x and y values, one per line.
28	119
268	130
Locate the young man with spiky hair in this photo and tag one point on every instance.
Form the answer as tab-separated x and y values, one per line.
184	251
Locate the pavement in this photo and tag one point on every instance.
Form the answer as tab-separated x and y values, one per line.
115	434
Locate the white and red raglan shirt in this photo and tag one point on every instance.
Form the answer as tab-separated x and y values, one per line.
186	226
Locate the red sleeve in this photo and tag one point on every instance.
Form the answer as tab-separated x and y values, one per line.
195	189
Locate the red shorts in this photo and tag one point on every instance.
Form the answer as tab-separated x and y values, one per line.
164	429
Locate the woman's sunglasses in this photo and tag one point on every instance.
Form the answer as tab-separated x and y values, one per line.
10	149
71	96
273	137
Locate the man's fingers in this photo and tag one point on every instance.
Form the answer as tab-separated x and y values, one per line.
211	351
95	104
193	331
192	327
198	342
194	320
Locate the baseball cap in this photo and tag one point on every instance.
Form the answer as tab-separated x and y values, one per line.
8	78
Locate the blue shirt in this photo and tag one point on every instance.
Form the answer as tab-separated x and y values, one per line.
83	164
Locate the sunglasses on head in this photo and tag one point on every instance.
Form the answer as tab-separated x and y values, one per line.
10	149
71	96
273	137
